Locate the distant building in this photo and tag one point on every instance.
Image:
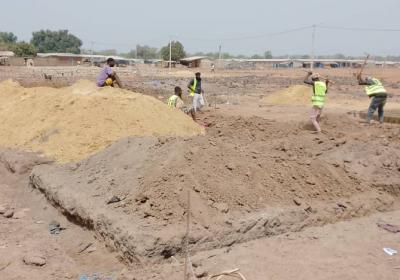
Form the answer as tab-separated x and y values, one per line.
192	62
5	57
301	63
7	54
70	59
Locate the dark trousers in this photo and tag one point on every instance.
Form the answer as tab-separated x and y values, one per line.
377	102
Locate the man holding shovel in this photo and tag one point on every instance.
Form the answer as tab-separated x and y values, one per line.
375	90
320	89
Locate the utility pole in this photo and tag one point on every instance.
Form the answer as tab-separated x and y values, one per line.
170	52
91	52
313	47
219	56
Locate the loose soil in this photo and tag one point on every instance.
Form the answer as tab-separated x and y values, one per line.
267	195
72	123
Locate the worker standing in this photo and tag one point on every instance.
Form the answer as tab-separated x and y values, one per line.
375	90
196	92
320	89
107	76
175	101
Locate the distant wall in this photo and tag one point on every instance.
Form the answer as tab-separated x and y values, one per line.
16	61
56	61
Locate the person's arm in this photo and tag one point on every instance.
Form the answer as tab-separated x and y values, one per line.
118	81
364	82
307	79
327	85
190	84
179	103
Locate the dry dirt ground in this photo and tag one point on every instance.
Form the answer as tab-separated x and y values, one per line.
267	195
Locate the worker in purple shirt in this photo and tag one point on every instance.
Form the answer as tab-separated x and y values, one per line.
107	76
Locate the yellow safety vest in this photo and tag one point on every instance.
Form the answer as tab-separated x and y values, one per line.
172	101
193	87
318	99
377	87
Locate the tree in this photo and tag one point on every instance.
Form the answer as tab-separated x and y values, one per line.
256	56
339	56
8	38
146	52
110	52
143	52
56	41
178	51
23	49
268	55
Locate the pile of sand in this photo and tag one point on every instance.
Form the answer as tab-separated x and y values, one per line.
73	122
294	95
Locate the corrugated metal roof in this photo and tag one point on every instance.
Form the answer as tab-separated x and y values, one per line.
84	56
193	58
6	53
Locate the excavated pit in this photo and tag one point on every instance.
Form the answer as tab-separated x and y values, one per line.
249	177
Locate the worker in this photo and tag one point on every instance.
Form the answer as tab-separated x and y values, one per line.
175	101
375	90
107	76
320	89
196	92
212	68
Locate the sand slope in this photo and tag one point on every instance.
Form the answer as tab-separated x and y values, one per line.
294	95
74	122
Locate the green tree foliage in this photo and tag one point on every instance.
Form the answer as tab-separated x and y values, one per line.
56	41
339	56
257	56
178	51
268	55
146	52
143	52
23	49
8	38
110	52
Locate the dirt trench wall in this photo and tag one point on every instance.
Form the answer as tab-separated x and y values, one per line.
247	177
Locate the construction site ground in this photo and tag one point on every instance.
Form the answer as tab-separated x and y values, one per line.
267	195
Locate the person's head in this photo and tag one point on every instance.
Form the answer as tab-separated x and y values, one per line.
198	75
111	62
315	77
178	91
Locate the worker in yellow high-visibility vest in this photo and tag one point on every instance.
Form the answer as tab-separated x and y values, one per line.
320	89
196	92
175	101
375	90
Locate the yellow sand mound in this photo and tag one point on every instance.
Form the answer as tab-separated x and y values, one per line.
73	122
294	95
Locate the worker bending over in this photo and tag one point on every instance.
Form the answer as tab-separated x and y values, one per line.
175	101
107	76
375	90
320	89
196	92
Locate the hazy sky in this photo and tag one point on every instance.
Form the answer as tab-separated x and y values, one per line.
203	25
